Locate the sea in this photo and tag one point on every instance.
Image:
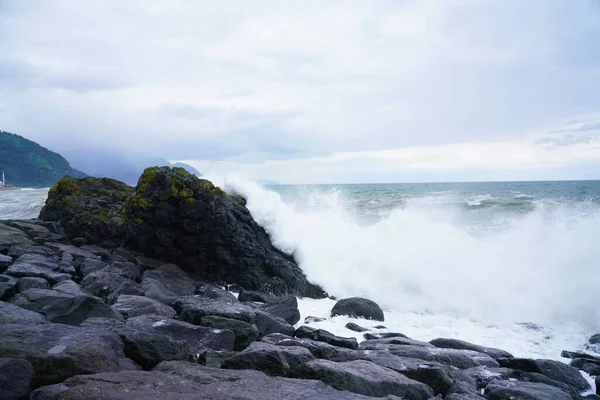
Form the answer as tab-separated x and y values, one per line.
512	265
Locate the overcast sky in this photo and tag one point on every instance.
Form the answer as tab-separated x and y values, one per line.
313	91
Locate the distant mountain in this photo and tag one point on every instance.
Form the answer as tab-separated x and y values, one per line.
26	163
117	164
188	168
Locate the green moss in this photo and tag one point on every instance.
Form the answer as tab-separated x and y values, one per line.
65	186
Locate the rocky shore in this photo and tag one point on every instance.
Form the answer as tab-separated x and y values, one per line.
171	291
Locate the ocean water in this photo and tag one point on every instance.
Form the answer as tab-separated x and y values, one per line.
508	265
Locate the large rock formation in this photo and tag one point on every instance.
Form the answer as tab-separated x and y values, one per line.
175	216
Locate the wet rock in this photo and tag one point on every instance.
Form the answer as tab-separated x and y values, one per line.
103	283
245	333
86	266
134	306
215	292
461	359
356	328
363	377
200	338
312	320
284	307
145	348
127	287
372	344
506	390
554	370
575	354
10	236
76	252
358	307
70	287
384	335
5	262
17	378
320	350
224	384
322	335
32	283
462	345
64	308
121	254
18	250
79	241
58	351
271	359
100	251
37	266
8	287
167	283
255	296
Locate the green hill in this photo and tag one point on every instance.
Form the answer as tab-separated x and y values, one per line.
26	163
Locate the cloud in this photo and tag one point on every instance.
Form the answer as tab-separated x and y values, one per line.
284	81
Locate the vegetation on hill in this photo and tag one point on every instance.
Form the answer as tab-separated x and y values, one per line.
26	163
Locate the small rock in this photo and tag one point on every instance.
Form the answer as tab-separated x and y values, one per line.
322	335
384	335
355	328
312	320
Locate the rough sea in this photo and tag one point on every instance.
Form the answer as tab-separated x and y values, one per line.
508	265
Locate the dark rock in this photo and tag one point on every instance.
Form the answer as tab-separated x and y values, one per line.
193	308
18	250
215	358
127	270
575	354
121	254
216	293
11	312
284	307
5	262
167	283
255	296
176	216
58	351
8	288
356	328
17	378
70	287
380	327
32	283
103	283
358	307
384	335
200	338
127	287
221	384
554	370
134	306
64	308
89	208
10	236
506	390
245	333
145	348
595	339
322	335
312	320
363	377
34	265
462	345
462	359
320	350
86	266
271	359
76	252
79	241
372	344
100	251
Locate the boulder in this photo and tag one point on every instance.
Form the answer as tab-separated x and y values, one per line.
461	359
363	377
70	287
127	287
89	208
284	307
10	236
5	262
384	335
58	351
18	250
8	287
255	296
134	306
506	390
174	215
215	292
225	384
167	283
122	254
313	320
372	344
355	327
554	370
17	378
199	338
271	359
64	308
245	333
145	348
11	312
34	265
74	251
32	283
322	335
358	307
462	345
102	283
320	350
86	266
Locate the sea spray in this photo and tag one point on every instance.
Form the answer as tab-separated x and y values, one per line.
542	268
